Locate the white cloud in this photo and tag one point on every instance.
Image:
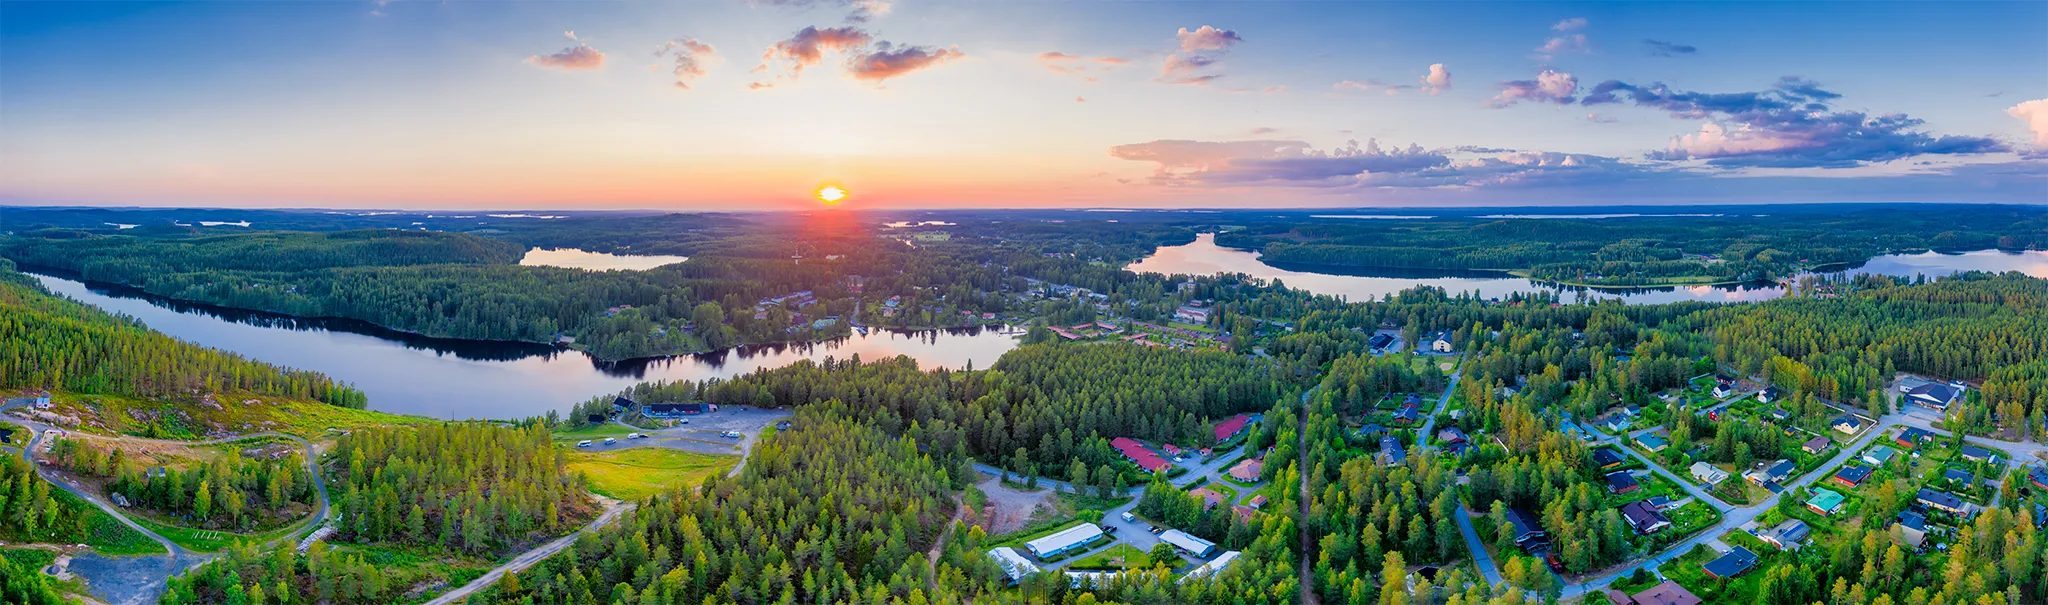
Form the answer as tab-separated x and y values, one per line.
1207	38
1569	24
1437	80
2035	114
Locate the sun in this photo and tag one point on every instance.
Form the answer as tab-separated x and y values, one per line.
831	194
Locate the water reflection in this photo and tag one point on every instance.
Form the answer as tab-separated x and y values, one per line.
455	379
572	258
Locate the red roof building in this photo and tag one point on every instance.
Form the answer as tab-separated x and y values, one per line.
1230	428
1138	454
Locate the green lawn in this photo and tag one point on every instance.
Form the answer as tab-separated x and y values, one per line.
1121	557
1686	571
119	414
594	431
637	473
206	540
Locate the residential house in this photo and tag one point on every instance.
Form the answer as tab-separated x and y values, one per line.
2038	476
1736	562
1931	395
1451	435
1652	442
1231	427
1816	445
1722	390
1959	478
1852	475
1768	395
1527	533
1645	519
1620	482
1064	540
1608	457
1391	453
1138	454
1878	456
1371	430
1616	424
1789	535
1407	414
676	410
1825	502
1210	498
1912	437
1380	342
1257	502
1770	475
1248	470
1210	568
1193	315
1977	454
1667	593
1945	501
1441	342
1913	527
1708	473
1847	424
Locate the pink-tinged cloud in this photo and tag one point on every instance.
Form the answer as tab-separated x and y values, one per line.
1569	24
579	57
1552	86
1437	80
1716	141
1207	39
691	58
887	62
809	45
1181	69
1074	65
2035	114
1558	44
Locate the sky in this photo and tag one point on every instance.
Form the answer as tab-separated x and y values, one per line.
738	104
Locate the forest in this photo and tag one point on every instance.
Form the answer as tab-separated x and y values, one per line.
48	342
231	492
469	487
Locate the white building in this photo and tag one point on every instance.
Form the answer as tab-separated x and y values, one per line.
1188	542
1064	540
1210	568
1708	474
1440	342
1015	566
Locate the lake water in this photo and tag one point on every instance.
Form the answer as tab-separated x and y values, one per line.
1204	257
457	379
595	261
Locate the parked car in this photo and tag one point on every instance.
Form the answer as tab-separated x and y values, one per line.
1556	564
635	436
583	443
1157	530
1130	518
609	441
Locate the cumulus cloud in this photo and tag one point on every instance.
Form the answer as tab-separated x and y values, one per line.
1199	49
889	61
1660	48
1207	38
691	58
1437	80
1551	86
809	45
1569	24
1790	125
2035	114
1560	44
1082	67
1297	164
578	57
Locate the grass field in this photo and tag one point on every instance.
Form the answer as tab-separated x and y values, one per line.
594	431
206	540
1121	557
637	473
235	413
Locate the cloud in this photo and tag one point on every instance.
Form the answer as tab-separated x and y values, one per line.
1789	125
1596	118
1080	99
1437	80
2035	114
809	45
1296	164
858	11
1569	24
578	57
571	35
1073	65
1207	39
1264	130
889	61
1559	44
1181	69
691	58
1660	48
1371	85
1552	86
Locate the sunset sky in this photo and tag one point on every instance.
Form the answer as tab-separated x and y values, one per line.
913	103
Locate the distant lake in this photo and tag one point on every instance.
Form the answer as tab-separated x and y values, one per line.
1204	257
572	258
458	379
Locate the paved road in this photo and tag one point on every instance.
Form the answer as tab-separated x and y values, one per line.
1429	426
612	510
1479	556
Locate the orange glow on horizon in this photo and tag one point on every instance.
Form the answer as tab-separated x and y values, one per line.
831	194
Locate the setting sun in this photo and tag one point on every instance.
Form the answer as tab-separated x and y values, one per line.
831	194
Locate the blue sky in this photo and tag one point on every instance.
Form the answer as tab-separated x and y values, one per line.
932	104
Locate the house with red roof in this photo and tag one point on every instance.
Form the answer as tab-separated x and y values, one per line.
1138	454
1231	427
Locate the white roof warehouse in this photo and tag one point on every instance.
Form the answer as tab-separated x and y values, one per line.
1015	566
1064	540
1188	542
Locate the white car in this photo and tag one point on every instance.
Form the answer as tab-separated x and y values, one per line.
610	441
635	436
583	443
1130	518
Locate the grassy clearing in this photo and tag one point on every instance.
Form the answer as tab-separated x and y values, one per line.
637	473
227	413
594	431
1122	557
211	540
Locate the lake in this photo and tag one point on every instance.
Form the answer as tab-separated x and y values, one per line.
458	379
1204	257
572	258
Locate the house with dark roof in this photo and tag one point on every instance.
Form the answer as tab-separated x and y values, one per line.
1959	477
2038	476
676	410
1371	430
1911	437
1380	342
1738	561
1769	475
1789	535
1913	527
1620	482
1527	533
1668	593
1608	458
1652	442
1816	445
1931	395
1451	435
1852	475
1643	518
1391	453
1769	394
1941	500
1408	414
1847	424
